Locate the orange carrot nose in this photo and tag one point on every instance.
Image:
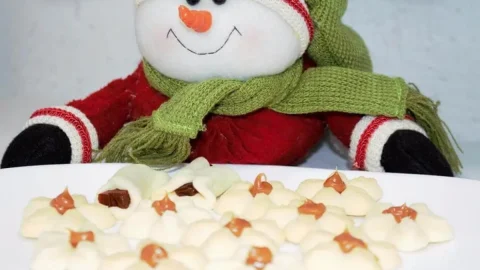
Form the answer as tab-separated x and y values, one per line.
198	20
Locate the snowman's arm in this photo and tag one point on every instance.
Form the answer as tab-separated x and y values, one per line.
107	110
70	133
387	144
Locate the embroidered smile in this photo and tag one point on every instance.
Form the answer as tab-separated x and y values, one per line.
235	29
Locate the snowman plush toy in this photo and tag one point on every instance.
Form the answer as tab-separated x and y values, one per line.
244	82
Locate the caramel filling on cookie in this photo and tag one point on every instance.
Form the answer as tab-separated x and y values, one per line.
115	198
261	185
347	242
152	254
311	208
186	190
237	225
335	181
63	202
401	212
259	257
77	237
163	205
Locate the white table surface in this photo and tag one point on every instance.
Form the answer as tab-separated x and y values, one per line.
54	51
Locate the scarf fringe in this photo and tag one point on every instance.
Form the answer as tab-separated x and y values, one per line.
426	115
139	142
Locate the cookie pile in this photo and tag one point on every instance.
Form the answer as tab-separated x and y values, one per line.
205	217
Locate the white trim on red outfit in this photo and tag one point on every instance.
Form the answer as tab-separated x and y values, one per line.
79	130
370	136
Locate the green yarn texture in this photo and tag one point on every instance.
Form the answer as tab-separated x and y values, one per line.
343	81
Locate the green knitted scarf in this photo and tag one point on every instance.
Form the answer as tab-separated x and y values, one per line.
164	138
350	87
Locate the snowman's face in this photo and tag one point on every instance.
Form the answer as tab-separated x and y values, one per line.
245	39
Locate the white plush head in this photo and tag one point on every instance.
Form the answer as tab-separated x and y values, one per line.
194	40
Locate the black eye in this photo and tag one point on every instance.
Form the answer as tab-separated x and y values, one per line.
219	2
193	2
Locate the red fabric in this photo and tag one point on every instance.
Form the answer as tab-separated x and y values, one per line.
109	108
342	125
361	153
77	123
308	62
262	137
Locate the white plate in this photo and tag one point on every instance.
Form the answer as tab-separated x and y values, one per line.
458	200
